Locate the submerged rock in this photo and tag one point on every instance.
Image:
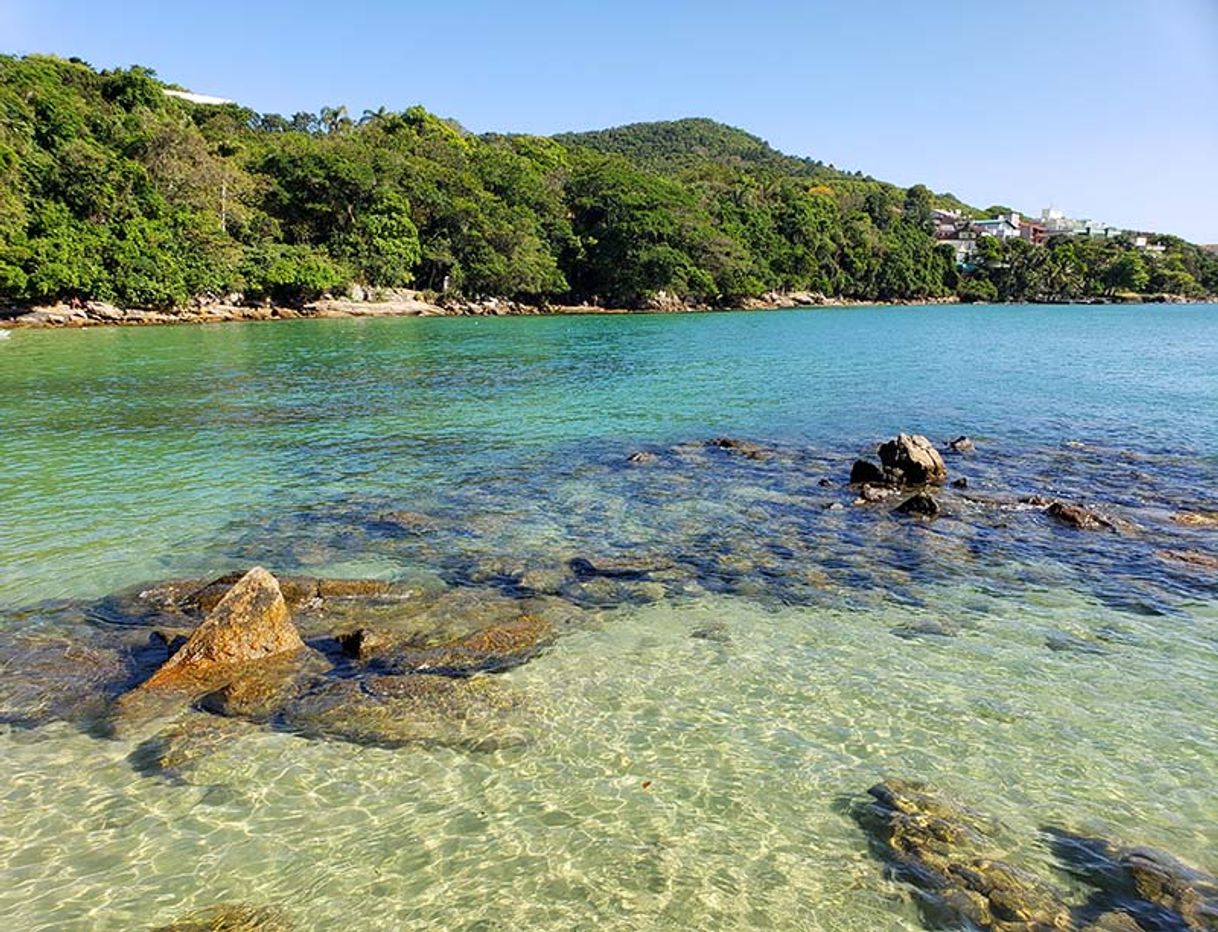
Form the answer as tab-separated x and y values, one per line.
1060	642
948	854
257	691
1078	517
490	650
232	917
50	679
913	460
1150	886
745	448
911	630
175	752
413	522
251	622
1206	519
362	643
715	631
393	711
1190	558
641	456
631	567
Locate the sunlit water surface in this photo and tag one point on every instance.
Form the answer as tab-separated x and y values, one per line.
695	746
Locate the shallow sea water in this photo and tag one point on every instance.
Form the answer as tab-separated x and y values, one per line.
695	743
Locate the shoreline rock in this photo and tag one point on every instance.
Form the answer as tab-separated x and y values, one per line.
399	303
250	623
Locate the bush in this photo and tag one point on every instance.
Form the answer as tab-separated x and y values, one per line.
977	291
290	274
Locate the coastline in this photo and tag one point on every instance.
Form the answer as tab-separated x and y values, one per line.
412	304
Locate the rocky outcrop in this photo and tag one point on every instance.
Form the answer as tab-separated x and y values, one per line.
905	461
250	623
950	855
1152	887
911	459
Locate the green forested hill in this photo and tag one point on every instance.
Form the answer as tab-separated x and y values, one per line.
674	145
111	189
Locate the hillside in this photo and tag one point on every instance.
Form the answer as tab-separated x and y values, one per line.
675	145
113	189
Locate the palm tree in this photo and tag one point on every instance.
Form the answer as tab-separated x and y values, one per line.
334	119
373	116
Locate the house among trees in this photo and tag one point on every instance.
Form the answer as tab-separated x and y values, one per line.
196	98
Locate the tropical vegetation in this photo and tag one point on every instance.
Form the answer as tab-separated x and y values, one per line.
112	189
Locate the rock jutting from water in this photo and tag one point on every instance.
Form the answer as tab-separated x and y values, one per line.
905	461
369	685
962	445
249	623
913	460
1076	516
920	504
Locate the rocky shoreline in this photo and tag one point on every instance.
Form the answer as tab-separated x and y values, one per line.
396	304
405	303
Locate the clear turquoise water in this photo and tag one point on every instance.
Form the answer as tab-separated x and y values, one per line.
135	455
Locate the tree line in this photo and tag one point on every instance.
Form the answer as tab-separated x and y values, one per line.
112	190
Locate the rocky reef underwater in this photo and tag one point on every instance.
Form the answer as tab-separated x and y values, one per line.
496	577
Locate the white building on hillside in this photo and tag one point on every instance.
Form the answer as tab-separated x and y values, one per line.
197	98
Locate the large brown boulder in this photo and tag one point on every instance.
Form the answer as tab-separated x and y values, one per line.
913	460
251	622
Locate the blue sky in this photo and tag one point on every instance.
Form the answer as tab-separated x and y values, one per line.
1107	109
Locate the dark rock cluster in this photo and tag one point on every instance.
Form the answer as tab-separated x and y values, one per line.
955	860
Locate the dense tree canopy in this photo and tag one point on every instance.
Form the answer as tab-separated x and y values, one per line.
111	189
